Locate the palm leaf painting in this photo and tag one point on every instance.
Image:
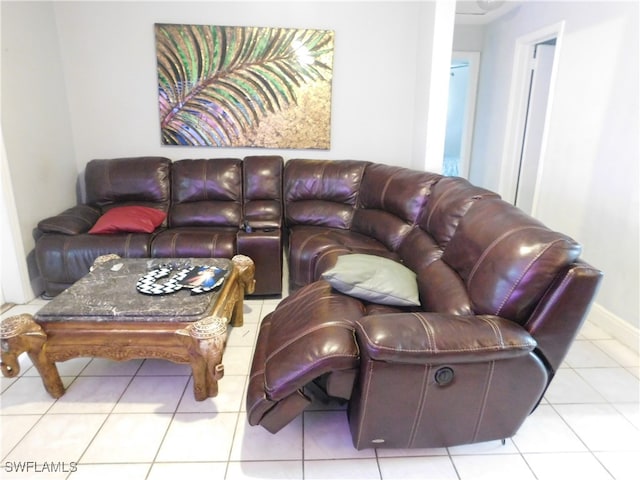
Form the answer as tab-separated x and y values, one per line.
244	86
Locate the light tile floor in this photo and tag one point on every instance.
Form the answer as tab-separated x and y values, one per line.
139	420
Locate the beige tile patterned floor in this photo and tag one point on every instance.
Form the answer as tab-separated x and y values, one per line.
138	420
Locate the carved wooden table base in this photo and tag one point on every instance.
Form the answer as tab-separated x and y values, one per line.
199	343
21	334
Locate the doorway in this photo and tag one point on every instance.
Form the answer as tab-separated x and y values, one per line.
530	103
534	125
463	83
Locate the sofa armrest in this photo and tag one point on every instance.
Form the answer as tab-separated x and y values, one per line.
427	338
73	221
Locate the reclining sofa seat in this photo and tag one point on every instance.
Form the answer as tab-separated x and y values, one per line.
65	250
502	298
208	202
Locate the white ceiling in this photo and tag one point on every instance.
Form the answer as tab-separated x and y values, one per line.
482	11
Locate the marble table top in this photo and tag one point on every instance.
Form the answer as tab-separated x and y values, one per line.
109	293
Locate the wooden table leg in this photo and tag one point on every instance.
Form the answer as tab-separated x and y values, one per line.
20	334
205	342
246	271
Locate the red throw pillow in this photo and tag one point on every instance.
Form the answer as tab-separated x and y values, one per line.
133	219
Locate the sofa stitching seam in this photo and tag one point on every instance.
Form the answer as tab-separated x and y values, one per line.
485	397
524	272
303	334
301	373
566	279
496	330
503	347
488	250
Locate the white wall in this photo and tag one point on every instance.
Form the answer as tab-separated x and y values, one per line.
35	123
590	179
13	268
79	82
468	37
108	53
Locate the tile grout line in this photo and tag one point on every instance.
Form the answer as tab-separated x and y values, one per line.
554	407
42	415
107	416
164	437
453	464
521	454
244	391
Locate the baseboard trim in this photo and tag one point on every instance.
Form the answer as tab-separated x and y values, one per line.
615	326
5	307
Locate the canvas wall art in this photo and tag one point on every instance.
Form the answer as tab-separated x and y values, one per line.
244	86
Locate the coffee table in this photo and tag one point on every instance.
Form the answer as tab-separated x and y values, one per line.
103	315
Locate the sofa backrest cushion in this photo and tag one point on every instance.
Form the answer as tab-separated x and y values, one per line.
206	192
441	288
506	259
450	199
391	201
140	181
262	186
321	192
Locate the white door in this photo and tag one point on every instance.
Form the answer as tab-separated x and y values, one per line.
534	133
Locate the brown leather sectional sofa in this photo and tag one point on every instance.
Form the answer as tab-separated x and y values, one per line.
501	298
209	204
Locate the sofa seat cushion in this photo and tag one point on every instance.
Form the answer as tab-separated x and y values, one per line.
313	250
67	258
195	242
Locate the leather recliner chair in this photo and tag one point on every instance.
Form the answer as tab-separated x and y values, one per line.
501	299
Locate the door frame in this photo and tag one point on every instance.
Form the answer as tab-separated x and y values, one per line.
473	60
517	112
15	286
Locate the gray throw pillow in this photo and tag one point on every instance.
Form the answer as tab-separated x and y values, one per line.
373	278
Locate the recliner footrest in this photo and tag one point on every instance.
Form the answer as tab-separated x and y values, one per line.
309	335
